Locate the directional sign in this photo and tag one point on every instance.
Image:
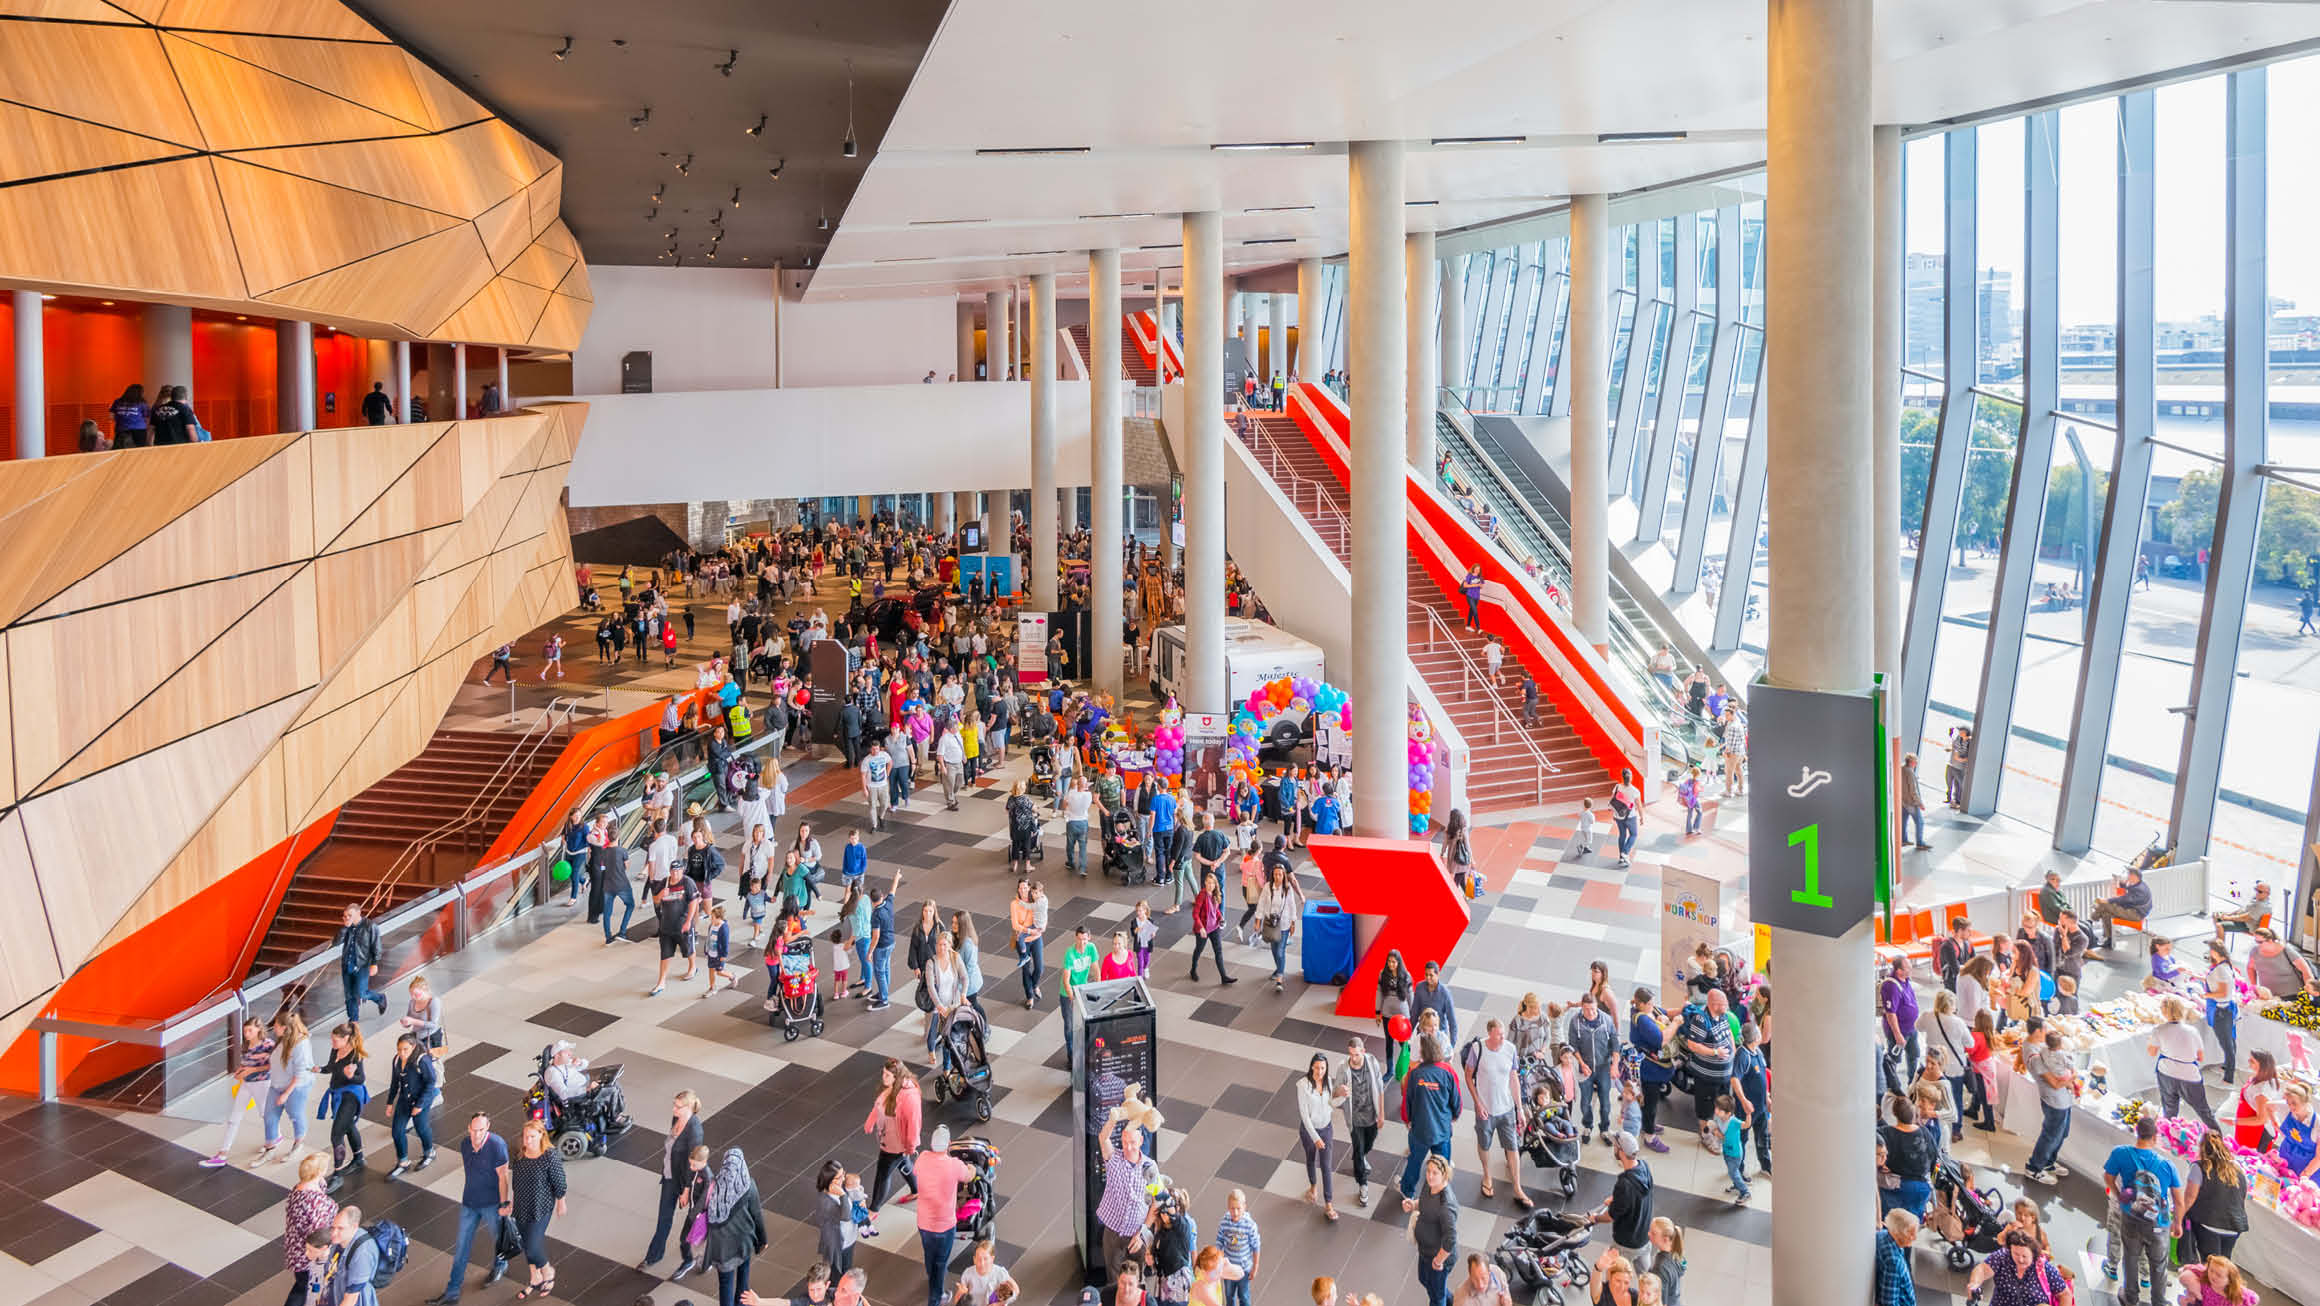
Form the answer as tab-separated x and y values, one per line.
1813	809
1401	881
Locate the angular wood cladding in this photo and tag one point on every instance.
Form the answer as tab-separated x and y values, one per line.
273	156
209	646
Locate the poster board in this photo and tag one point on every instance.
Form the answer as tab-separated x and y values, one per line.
1693	911
1031	647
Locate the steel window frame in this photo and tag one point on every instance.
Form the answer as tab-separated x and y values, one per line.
2137	414
2033	459
1747	525
1634	379
1675	380
2246	445
1708	452
1953	436
1537	388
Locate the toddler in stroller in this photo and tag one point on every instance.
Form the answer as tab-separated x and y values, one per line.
1043	771
797	986
965	1068
1551	1140
1968	1220
1540	1255
979	1191
1123	851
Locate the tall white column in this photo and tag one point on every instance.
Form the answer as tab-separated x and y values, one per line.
1378	323
1238	324
1105	469
1205	683
507	397
1453	329
1819	363
458	382
168	330
1277	350
1885	393
1590	383
294	375
1425	346
1309	364
402	380
31	375
995	353
1043	479
966	360
963	508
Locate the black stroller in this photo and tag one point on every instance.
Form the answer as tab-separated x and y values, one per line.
1966	1219
1540	1256
1123	851
586	1125
1551	1141
965	1070
1043	771
979	1192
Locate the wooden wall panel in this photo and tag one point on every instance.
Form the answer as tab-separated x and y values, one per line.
230	841
449	105
375	75
575	283
424	496
70	232
506	228
322	18
241	106
295	228
562	324
502	310
29	966
77	11
431	172
359	587
413	286
50	66
354	465
547	198
36	144
539	266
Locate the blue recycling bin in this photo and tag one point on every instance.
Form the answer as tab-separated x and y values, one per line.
1325	943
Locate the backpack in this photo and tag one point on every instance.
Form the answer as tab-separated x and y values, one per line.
394	1249
2146	1195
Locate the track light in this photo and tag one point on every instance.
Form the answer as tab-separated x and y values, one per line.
637	120
809	260
732	57
847	148
685	169
672	234
565	51
659	191
759	129
736	197
774	172
824	224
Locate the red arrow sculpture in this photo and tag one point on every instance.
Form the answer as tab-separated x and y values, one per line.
1400	881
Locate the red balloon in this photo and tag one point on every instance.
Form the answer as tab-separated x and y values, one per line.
1399	1027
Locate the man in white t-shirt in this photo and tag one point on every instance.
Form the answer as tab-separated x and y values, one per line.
660	855
1498	1105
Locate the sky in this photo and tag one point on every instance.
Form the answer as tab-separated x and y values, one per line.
2190	213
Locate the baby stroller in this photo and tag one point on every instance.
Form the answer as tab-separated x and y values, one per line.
586	1125
979	1192
1967	1220
1043	771
1123	851
966	1063
1552	1142
798	989
1540	1255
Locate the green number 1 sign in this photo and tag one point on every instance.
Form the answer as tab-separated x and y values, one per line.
1810	895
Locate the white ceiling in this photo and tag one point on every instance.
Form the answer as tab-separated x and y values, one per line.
1148	89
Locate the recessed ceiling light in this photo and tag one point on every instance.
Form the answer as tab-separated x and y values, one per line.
1034	253
947	222
1631	138
1281	208
106	302
1105	217
916	258
1477	140
1170	245
1421	204
1035	149
1271	240
46	295
1264	145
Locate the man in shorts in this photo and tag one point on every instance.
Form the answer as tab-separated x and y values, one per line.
1498	1105
674	909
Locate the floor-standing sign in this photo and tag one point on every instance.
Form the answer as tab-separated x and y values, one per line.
1815	854
1115	1044
1031	647
1693	911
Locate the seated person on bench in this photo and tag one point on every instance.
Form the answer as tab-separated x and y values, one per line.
2250	913
2132	903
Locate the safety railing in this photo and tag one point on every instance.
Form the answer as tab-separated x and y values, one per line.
1316	501
1144	401
1503	721
197	1045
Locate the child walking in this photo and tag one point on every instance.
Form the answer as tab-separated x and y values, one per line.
1735	1147
720	947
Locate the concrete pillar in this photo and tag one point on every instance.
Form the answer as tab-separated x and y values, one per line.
1105	527
1204	463
1044	507
1277	349
1309	363
507	396
1453	331
402	380
1166	495
439	369
862	507
995	336
1425	349
1885	392
1238	323
294	376
458	382
965	509
966	359
1378	322
1818	374
1590	382
169	345
31	375
946	513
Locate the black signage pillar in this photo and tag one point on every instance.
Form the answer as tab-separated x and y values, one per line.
1114	1044
826	661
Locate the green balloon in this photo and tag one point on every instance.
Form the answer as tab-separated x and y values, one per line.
560	872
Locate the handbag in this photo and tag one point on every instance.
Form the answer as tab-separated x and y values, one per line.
924	999
697	1232
510	1243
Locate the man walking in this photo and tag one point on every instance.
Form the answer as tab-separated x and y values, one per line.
1358	1088
377	408
483	1200
950	762
877	783
1498	1106
358	962
1431	1104
1594	1035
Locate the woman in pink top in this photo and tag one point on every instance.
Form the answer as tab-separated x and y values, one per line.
1120	962
2215	1282
894	1117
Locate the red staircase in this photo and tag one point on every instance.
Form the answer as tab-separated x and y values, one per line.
437	789
1504	756
1131	361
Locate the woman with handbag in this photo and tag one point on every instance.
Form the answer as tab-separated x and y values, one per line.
894	1118
736	1227
1278	906
1647	1033
1393	999
536	1187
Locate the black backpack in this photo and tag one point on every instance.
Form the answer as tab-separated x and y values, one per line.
394	1247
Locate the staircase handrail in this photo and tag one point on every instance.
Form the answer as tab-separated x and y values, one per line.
1276	464
1502	716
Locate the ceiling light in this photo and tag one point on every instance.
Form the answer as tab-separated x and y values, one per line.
1631	138
1105	217
736	197
685	169
847	147
947	222
916	258
1034	253
809	260
659	191
775	171
758	130
46	295
238	317
1281	208
672	234
823	224
1440	141
1271	240
637	120
106	302
1265	145
1170	245
565	51
1421	204
732	57
1003	150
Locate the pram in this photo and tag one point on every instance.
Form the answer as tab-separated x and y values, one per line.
966	1062
1043	771
1965	1218
798	989
586	1125
1540	1255
978	1208
1123	851
1552	1142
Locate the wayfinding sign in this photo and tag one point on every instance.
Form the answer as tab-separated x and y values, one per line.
1814	808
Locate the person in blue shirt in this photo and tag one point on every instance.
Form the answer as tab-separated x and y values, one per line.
881	945
1325	810
1748	1081
1896	1285
1432	1101
2141	1184
857	860
1163	816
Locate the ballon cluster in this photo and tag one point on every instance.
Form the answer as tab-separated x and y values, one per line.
1421	758
1168	741
1328	705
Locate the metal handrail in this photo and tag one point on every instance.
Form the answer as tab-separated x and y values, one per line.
1501	715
